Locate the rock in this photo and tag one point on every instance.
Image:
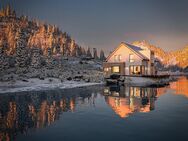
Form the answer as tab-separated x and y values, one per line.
41	78
78	77
87	80
69	78
81	62
50	80
24	80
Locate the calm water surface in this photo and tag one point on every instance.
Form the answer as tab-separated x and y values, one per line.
97	113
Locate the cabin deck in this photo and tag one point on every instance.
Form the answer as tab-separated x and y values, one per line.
138	79
145	76
148	76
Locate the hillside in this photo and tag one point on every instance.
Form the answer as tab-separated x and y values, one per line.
177	58
36	34
30	48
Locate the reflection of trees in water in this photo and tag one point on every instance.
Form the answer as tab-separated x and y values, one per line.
180	86
20	112
31	110
127	100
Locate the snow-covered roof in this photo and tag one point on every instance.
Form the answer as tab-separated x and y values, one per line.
133	48
136	50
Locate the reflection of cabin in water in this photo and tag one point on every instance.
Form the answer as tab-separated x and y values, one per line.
128	59
127	100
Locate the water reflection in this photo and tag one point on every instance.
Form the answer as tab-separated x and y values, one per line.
33	110
180	86
20	112
127	100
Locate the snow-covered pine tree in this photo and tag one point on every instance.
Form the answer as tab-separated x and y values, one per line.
95	56
8	10
57	45
10	39
68	46
63	47
63	43
4	64
49	59
102	56
73	48
21	52
36	60
78	51
54	50
89	53
83	51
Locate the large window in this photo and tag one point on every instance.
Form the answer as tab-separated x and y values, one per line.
115	69
135	70
131	58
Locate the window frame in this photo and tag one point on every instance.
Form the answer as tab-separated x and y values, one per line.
115	71
119	57
131	58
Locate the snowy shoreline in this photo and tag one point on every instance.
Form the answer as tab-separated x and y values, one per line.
35	84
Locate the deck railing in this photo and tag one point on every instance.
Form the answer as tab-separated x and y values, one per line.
148	76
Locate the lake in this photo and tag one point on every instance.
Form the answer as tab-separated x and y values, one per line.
97	113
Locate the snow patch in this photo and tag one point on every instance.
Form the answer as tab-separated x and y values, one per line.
35	84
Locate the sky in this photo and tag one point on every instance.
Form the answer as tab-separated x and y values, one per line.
103	24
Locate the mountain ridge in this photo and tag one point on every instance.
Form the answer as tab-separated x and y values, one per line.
172	58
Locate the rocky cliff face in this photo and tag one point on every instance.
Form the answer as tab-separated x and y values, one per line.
177	58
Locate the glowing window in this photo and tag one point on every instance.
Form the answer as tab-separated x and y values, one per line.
115	69
115	58
106	69
119	57
131	58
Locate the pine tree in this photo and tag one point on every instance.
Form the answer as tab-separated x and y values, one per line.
36	57
4	64
95	56
8	10
49	59
78	51
54	50
83	51
21	52
58	49
89	53
63	47
68	47
102	56
73	48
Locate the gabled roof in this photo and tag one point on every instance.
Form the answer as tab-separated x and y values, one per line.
135	49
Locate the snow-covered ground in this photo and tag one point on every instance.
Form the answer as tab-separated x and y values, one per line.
35	84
